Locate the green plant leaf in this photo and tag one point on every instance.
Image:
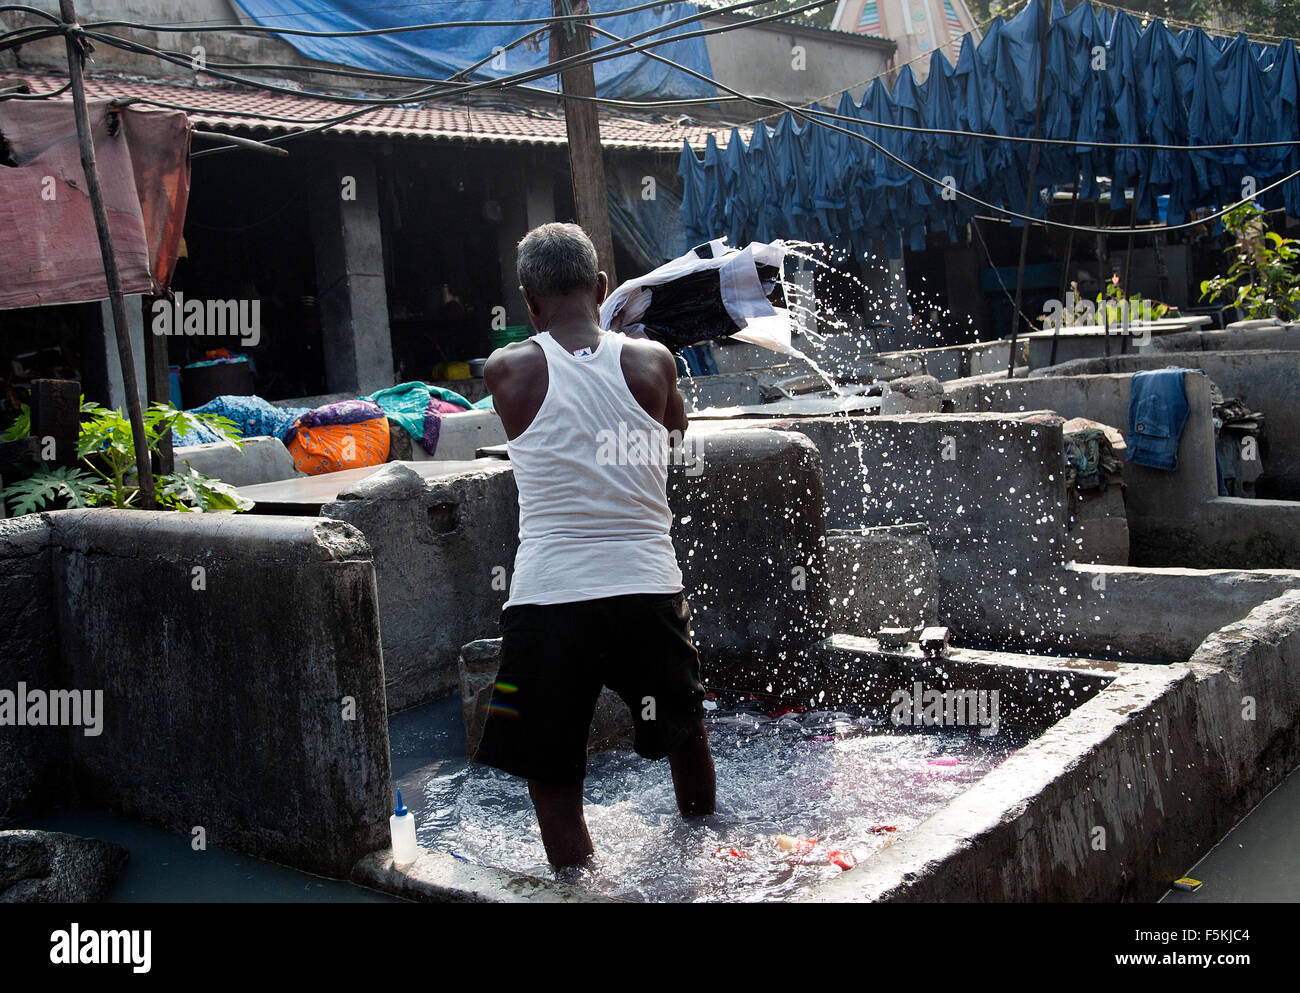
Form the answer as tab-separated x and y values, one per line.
47	484
195	491
21	427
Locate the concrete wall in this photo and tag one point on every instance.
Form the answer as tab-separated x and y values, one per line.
1000	555
260	461
1164	762
1232	531
1282	338
950	362
761	60
225	692
1155	500
234	46
1267	381
32	759
995	508
723	390
882	577
749	527
443	551
1123	612
461	435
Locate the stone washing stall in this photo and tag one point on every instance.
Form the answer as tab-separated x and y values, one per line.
1266	380
988	489
239	663
1175	518
249	698
1162	758
1135	771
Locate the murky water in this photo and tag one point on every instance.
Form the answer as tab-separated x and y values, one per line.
839	787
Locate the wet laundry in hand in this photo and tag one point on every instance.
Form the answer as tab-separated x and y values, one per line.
713	291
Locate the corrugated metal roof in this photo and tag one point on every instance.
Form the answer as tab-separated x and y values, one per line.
227	108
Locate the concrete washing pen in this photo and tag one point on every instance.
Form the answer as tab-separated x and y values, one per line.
402	827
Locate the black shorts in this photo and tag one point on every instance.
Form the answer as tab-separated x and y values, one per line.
556	657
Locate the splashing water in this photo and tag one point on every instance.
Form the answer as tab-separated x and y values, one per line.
850	784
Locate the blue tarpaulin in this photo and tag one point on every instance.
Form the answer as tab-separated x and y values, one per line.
1107	79
445	51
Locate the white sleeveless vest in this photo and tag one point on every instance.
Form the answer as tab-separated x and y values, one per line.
592	473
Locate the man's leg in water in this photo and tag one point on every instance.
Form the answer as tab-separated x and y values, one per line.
559	814
693	777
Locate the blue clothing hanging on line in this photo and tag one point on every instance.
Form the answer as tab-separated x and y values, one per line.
1107	79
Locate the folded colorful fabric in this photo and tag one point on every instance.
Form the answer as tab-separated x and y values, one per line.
252	415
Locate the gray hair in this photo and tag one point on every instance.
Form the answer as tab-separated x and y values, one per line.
555	259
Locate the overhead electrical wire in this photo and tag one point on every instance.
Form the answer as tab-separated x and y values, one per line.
443	87
807	115
438	25
221	70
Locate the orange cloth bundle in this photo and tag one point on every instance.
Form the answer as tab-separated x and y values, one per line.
319	448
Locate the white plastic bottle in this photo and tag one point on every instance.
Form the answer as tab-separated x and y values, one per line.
401	826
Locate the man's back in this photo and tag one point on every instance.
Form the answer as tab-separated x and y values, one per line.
590	464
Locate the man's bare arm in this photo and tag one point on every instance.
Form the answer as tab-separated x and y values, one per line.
675	409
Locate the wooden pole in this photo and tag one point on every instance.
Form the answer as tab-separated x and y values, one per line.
1029	190
112	277
56	414
586	162
1065	270
157	386
1128	266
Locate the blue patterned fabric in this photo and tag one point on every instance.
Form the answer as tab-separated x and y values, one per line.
252	415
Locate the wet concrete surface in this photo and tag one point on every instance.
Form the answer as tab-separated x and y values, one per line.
164	868
1258	861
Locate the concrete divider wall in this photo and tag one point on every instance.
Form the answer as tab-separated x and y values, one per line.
245	698
1247	694
1125	612
261	460
1124	794
882	577
444	549
461	435
1279	338
1175	518
724	390
995	508
33	760
1267	381
1152	496
749	528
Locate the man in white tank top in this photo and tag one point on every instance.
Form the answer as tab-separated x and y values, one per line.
596	594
